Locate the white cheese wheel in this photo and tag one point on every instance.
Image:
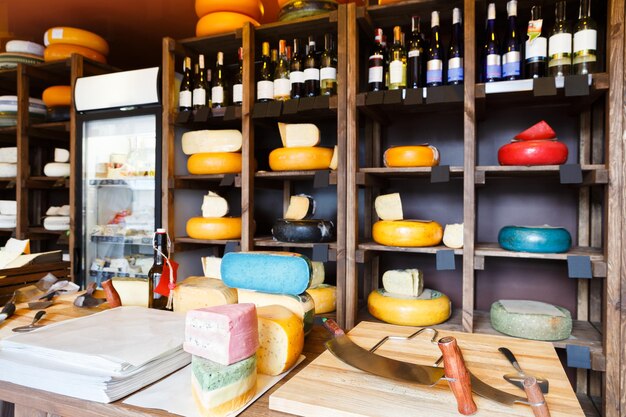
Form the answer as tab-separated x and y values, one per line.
56	223
8	170
8	221
8	155
408	282
453	235
211	266
214	206
24	47
8	207
61	155
296	135
56	169
201	292
389	207
211	141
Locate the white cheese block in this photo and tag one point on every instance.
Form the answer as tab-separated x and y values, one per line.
408	282
295	135
211	266
318	275
24	47
132	291
214	206
61	155
8	207
300	207
281	339
64	210
453	235
209	141
53	211
7	221
334	161
8	170
8	155
389	207
56	169
201	292
56	223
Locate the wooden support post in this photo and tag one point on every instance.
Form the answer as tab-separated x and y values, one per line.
168	137
77	70
23	151
247	150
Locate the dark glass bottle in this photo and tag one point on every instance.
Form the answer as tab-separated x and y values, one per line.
560	43
238	81
328	68
492	61
217	92
185	94
511	56
161	249
199	84
455	52
296	73
376	64
415	56
311	71
536	58
282	85
585	41
434	61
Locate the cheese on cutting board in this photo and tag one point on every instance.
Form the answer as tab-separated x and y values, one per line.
430	308
8	155
453	235
216	228
301	305
214	206
300	159
210	141
132	291
303	231
325	298
389	207
201	292
408	282
531	320
61	155
301	206
214	163
57	169
224	334
294	135
334	161
211	266
407	233
281	339
8	170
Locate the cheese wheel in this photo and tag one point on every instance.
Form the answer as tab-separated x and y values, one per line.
539	239
57	169
252	8
61	155
303	231
57	95
8	170
533	323
302	305
217	228
325	297
539	131
56	223
389	207
214	163
533	152
430	308
60	51
24	47
209	141
300	159
58	114
408	233
281	339
222	22
74	36
201	292
453	235
411	156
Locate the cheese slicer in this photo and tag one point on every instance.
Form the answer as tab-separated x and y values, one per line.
518	379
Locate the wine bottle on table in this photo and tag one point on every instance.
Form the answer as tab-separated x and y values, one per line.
328	68
415	55
296	73
217	92
560	44
265	85
492	61
434	61
511	56
238	81
282	85
376	64
397	61
199	84
585	41
455	52
185	95
536	60
311	71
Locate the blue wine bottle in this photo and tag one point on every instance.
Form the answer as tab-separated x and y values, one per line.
512	57
492	62
455	52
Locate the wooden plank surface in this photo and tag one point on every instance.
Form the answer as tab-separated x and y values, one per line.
327	387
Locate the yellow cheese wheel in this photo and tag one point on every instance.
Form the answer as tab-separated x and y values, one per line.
57	95
281	339
409	233
430	308
60	51
214	163
215	228
73	36
222	22
325	298
411	156
300	158
252	8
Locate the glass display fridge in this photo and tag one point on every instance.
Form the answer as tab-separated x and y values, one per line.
118	179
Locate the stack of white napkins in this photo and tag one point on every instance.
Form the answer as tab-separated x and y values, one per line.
102	357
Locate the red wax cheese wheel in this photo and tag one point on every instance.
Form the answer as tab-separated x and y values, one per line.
252	8
214	163
300	158
61	51
411	156
541	130
78	37
222	22
533	152
214	228
57	95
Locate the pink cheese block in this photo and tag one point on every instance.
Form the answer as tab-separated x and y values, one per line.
224	334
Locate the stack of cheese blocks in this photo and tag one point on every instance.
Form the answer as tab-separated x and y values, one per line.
222	16
298	226
21	52
300	151
536	145
57	218
61	167
8	110
214	225
8	214
404	300
213	151
62	42
58	99
8	162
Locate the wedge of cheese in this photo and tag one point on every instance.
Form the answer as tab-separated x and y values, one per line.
334	161
301	206
295	135
210	141
281	339
201	292
132	291
453	235
211	266
214	206
389	207
318	274
409	282
61	155
301	305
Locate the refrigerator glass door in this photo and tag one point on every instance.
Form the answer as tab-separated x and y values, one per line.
119	164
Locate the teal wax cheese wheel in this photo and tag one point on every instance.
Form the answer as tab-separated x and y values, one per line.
531	320
536	239
271	272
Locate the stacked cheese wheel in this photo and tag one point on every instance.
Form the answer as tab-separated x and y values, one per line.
62	42
536	145
213	151
404	300
8	214
214	225
58	99
57	218
297	9
411	156
298	226
393	230
21	52
221	16
8	110
300	151
61	165
8	162
531	320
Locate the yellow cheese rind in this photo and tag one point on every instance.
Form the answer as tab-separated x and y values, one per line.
73	36
201	292
210	141
407	233
222	22
334	161
431	308
389	207
252	8
59	52
300	159
325	297
453	235
246	390
57	95
318	274
216	228
214	163
281	339
132	291
411	156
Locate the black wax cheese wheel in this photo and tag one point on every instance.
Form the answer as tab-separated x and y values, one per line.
303	231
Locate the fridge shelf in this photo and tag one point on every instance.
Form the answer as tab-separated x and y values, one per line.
123	240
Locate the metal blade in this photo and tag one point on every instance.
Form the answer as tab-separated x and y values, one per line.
518	381
491	393
349	352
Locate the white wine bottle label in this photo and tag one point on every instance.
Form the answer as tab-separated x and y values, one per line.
184	98
396	72
199	97
494	67
585	40
455	69
511	64
312	74
328	73
375	75
282	87
434	71
296	77
265	90
413	53
536	49
237	93
559	44
217	95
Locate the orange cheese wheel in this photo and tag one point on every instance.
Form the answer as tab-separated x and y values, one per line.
60	51
74	36
214	228
57	95
222	22
411	156
300	158
407	233
214	163
252	8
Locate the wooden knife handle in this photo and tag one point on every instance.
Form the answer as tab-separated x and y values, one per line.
455	369
535	397
113	298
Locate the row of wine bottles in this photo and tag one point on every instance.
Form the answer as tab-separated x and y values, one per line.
207	87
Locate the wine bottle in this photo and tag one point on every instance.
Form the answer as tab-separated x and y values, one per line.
511	58
265	86
161	251
238	81
383	43
311	71
217	92
536	60
397	61
415	59
282	85
585	41
199	84
296	73
455	52
273	60
434	63
560	43
328	68
492	64
376	64
185	94
209	81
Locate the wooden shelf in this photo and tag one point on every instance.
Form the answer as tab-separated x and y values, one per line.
320	24
7	231
378	177
186	239
591	174
295	175
270	242
363	248
40	230
223	116
201	181
47	183
294	110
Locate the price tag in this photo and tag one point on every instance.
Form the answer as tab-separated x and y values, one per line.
571	174
274	109
230	113
320	252
259	110
291	106
232	246
445	260
374	98
228	180
576	85
578	356
183	117
440	173
306	104
579	267
414	96
393	97
202	115
321	179
322	102
544	86
59	183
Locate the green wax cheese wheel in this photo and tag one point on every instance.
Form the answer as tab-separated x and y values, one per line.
530	325
212	375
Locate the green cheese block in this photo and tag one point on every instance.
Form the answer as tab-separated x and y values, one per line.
212	375
531	326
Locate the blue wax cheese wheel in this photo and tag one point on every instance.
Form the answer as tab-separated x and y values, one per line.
535	239
271	272
531	320
303	231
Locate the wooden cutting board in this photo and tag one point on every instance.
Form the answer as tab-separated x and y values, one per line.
328	387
